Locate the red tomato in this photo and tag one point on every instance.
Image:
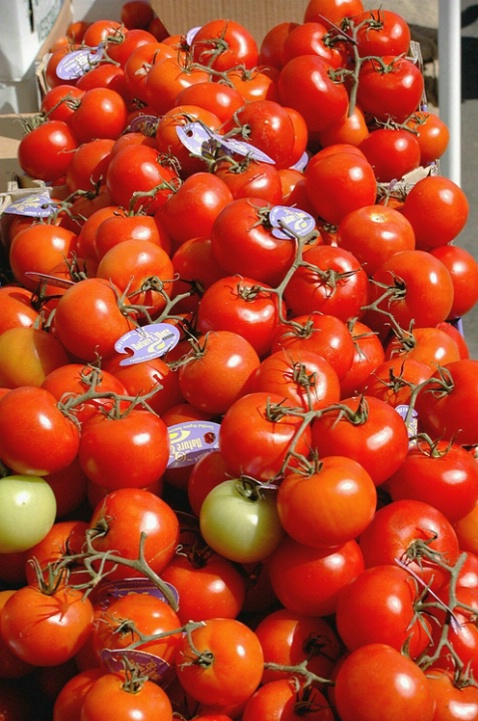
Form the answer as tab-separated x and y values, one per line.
46	151
390	88
331	281
310	38
27	355
379	607
117	228
452	700
332	10
438	210
123	516
432	134
224	44
36	437
301	376
251	179
339	182
374	233
101	113
268	126
402	531
11	665
304	84
40	248
58	102
443	474
253	442
217	654
167	77
67	705
377	670
131	451
329	506
285	698
46	629
352	130
111	697
218	98
64	537
208	471
308	581
391	152
381	32
368	355
394	379
463	269
136	69
239	304
217	371
432	346
89	164
365	429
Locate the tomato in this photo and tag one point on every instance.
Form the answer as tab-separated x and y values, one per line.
68	702
328	506
305	85
89	164
142	271
319	333
378	671
208	585
285	698
46	151
241	234
63	538
402	531
46	629
413	287
288	639
113	697
250	511
302	377
310	38
256	84
208	471
239	304
138	178
393	380
224	44
432	346
218	654
40	248
339	182
270	50
440	404
268	126
191	211
11	665
373	233
330	281
381	32
463	269
332	10
443	475
28	512
390	88
122	621
120	519
307	580
432	134
218	371
392	153
251	179
84	308
368	355
136	68
58	102
438	210
114	229
217	98
105	75
452	700
28	355
167	77
39	442
351	130
131	451
379	607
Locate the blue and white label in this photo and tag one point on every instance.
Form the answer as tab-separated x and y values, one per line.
150	341
190	440
282	218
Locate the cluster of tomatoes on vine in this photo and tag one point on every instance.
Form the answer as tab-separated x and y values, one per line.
253	203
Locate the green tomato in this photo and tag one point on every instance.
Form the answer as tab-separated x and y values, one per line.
240	521
27	512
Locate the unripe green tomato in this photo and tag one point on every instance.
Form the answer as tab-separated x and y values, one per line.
27	512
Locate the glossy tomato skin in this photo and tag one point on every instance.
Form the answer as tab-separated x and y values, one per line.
369	353
241	48
391	89
130	451
378	671
333	10
45	153
391	153
307	581
44	442
260	450
379	607
451	700
27	355
377	438
305	85
236	654
108	699
400	524
284	698
128	513
463	269
46	629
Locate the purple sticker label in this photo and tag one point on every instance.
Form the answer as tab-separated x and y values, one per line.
36	205
202	141
282	217
410	419
75	64
151	341
301	164
189	441
191	34
153	667
109	591
145	124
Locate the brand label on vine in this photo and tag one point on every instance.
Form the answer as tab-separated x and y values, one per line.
75	64
110	591
151	341
410	419
149	665
189	441
282	218
36	205
203	142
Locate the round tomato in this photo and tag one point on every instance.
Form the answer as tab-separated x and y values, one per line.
463	269
113	697
390	88
287	699
28	512
391	152
46	151
223	45
381	32
332	10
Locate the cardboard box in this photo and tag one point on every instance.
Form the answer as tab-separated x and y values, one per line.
20	93
258	17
